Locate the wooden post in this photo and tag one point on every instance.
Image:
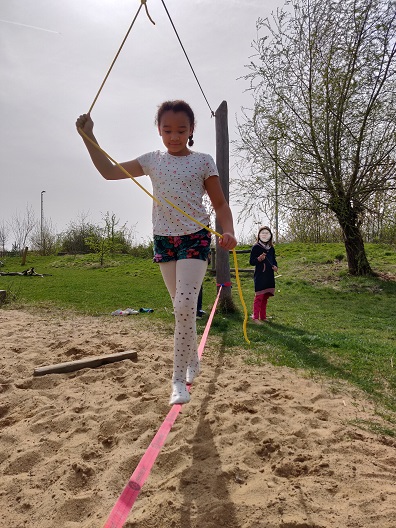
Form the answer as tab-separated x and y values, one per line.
223	164
3	295
24	256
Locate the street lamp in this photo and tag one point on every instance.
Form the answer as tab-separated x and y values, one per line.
276	193
42	222
275	140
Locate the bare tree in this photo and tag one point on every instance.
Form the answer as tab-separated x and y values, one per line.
44	238
379	222
3	237
324	88
109	239
22	227
307	222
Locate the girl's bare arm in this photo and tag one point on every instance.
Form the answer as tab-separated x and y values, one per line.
107	169
223	212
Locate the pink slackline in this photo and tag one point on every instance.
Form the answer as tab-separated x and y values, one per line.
124	504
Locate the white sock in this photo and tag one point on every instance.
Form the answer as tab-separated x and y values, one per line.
179	394
192	368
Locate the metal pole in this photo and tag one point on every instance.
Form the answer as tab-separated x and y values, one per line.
276	191
42	221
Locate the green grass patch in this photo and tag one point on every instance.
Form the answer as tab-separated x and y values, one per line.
80	283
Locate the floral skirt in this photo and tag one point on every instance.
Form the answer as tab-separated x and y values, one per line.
193	246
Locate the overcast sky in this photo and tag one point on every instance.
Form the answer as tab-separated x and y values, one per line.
53	58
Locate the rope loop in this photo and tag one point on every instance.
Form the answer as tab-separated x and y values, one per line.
144	2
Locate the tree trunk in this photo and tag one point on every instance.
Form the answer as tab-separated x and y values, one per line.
356	254
353	240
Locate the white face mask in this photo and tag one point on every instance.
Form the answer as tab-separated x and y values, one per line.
265	236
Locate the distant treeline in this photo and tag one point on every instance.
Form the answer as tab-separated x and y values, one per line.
109	238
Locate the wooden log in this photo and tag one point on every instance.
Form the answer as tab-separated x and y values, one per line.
92	362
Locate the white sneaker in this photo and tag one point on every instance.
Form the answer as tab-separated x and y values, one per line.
192	373
179	394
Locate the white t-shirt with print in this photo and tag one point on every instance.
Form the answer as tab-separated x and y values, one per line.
180	179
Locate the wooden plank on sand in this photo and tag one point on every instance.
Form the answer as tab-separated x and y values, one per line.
92	362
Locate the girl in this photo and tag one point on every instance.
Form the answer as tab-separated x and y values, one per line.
181	247
263	257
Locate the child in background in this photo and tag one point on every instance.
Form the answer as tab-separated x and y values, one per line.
262	256
181	246
201	312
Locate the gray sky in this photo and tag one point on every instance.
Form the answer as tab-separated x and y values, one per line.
53	58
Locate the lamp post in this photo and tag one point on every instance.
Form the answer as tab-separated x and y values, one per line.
276	193
42	222
275	140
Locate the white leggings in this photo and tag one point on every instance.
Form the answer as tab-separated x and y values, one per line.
183	279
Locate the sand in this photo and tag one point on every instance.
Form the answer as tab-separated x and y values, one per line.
256	447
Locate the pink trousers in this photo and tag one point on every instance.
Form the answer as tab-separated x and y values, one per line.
260	306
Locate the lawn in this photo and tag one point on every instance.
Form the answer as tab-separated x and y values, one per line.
323	320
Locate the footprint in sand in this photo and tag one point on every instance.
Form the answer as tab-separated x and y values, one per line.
22	463
80	477
73	510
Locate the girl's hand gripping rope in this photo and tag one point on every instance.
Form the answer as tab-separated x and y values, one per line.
228	241
85	123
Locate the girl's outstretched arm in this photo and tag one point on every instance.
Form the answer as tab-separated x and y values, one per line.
223	212
107	169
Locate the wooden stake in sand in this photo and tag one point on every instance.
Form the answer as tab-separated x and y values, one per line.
92	362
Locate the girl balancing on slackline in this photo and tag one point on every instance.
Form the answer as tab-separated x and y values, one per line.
181	249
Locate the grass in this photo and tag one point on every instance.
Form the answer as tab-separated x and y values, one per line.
324	321
79	283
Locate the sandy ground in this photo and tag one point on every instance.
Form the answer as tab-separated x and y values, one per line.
256	447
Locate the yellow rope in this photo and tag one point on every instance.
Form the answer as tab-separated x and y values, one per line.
237	278
143	2
238	281
118	165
